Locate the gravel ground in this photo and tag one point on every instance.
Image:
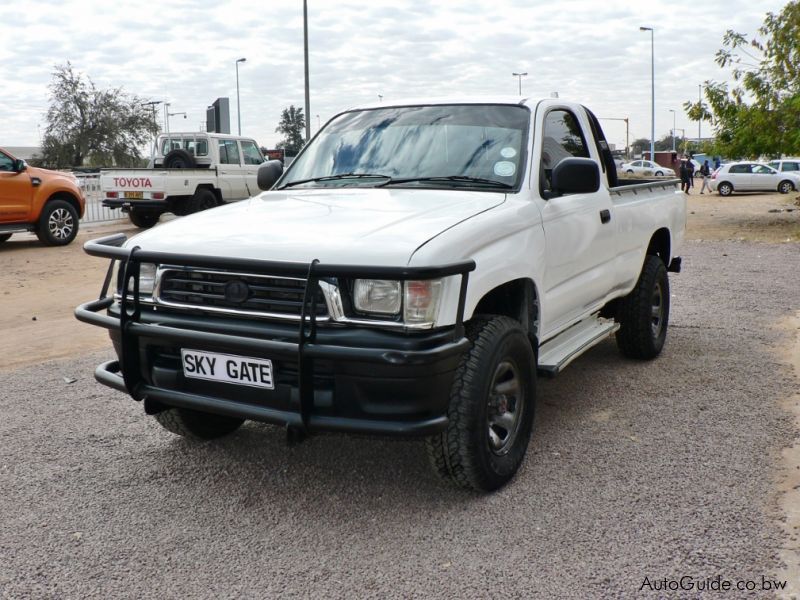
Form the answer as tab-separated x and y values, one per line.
636	470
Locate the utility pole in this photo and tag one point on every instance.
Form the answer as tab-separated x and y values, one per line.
627	131
152	106
305	54
520	76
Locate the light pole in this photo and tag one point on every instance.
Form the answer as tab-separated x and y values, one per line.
305	56
627	130
238	106
700	117
673	129
318	123
652	92
520	76
153	105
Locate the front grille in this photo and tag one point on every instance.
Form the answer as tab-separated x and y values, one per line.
269	296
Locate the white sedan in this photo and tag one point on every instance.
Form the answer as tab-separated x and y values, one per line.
752	177
647	167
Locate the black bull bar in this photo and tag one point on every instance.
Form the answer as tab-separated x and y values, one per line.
305	350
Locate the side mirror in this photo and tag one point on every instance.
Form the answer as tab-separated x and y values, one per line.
269	173
575	176
19	165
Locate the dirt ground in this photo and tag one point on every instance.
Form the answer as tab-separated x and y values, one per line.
40	287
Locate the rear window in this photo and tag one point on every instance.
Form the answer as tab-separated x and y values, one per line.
195	147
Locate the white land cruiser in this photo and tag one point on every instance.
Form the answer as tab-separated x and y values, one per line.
408	275
190	172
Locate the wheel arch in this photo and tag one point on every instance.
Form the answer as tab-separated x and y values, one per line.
517	299
67	197
661	245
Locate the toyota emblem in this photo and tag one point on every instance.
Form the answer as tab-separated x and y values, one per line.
236	291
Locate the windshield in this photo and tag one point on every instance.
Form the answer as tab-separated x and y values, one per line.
443	146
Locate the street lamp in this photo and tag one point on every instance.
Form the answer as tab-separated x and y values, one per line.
673	129
700	117
652	92
305	61
520	76
238	106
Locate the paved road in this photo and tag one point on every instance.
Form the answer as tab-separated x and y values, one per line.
636	470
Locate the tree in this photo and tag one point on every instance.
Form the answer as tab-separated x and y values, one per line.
291	125
760	114
103	127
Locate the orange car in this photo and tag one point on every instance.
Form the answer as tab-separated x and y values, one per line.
49	203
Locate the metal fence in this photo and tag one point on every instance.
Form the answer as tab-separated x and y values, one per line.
95	211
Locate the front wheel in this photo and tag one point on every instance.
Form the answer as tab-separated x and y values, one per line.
659	173
490	415
144	219
725	189
196	425
643	314
784	187
58	224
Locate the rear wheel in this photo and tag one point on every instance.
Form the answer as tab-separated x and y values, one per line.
725	189
490	415
643	314
784	187
144	218
196	425
202	200
58	224
4	237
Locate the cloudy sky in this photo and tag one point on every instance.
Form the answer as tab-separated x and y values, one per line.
183	51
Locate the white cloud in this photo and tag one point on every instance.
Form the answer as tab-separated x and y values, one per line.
184	52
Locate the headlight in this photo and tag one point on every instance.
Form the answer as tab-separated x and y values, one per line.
377	296
147	279
417	299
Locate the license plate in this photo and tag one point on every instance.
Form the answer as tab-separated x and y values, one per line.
134	195
227	368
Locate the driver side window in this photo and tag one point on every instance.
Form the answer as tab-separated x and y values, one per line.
6	163
563	138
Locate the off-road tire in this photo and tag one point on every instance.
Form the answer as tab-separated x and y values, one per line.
785	186
462	453
195	425
58	223
179	159
144	219
643	314
202	200
4	237
725	189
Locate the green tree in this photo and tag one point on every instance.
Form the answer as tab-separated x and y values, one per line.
86	125
291	125
759	114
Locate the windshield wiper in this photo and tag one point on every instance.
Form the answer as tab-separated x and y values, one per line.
335	177
457	178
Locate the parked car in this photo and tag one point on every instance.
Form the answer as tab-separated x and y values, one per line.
786	165
48	203
190	172
746	176
647	167
370	293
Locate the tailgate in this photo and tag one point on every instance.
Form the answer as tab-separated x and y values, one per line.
133	184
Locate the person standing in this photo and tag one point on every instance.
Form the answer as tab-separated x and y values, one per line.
684	172
690	167
705	172
717	163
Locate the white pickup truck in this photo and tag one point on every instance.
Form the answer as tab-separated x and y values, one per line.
407	275
190	172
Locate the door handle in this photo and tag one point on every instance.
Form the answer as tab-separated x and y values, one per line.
605	215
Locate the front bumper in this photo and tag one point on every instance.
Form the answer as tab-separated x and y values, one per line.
342	379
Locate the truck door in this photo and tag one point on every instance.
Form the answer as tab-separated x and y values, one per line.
16	192
579	228
230	170
252	159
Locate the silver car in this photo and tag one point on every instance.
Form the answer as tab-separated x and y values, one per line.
752	177
784	165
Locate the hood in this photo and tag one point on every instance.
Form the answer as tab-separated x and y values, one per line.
365	226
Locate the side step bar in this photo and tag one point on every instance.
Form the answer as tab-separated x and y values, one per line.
557	353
